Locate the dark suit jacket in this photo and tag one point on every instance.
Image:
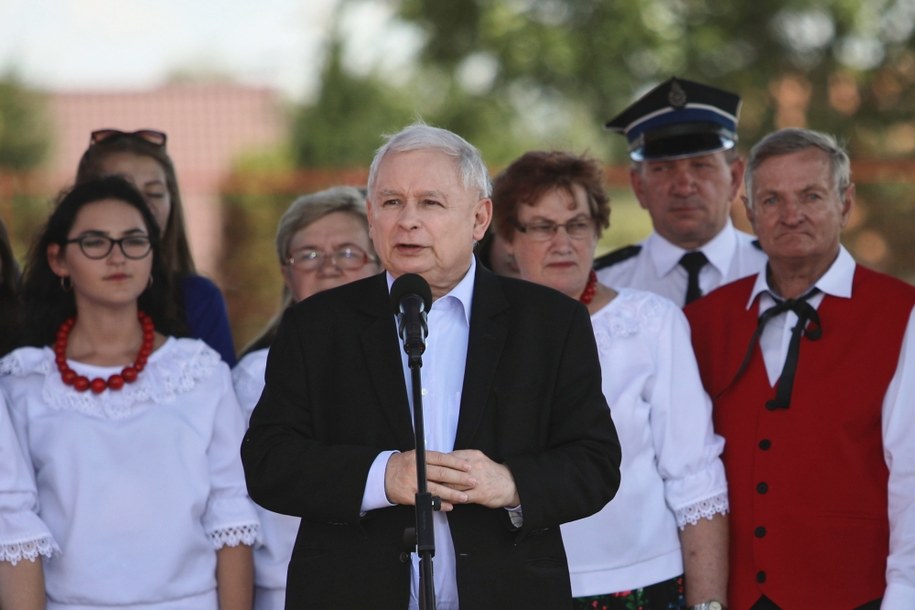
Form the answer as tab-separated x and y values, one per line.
335	397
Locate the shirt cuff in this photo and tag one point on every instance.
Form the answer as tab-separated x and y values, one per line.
898	596
374	497
516	515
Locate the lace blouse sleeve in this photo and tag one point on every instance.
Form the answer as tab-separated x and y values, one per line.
23	535
687	447
230	518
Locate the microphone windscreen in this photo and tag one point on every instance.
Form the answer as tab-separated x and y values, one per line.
410	283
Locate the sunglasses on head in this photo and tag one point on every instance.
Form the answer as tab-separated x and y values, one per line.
156	138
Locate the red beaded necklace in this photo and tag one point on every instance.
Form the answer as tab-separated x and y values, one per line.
587	295
115	382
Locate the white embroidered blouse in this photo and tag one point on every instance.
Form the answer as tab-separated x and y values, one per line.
23	536
671	473
139	486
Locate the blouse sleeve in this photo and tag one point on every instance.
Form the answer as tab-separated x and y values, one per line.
207	317
899	452
248	379
687	448
23	535
230	517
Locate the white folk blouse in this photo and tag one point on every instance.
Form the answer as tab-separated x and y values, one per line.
23	535
139	486
271	559
671	472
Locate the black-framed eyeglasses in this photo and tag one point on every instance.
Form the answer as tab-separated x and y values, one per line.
580	227
153	136
99	246
348	258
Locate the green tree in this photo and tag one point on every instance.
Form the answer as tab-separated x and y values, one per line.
24	133
850	64
342	127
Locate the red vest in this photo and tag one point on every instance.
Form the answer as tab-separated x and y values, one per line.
807	484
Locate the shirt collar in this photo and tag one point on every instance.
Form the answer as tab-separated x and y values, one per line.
719	251
836	281
462	293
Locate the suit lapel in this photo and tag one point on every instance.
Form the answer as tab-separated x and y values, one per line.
381	350
488	330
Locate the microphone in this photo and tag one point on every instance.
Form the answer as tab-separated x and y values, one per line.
411	298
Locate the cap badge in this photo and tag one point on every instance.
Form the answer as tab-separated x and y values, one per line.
676	96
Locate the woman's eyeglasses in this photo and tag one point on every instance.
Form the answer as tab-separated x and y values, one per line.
577	228
348	258
154	137
99	246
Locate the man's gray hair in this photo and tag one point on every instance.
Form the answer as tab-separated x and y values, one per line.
419	136
792	140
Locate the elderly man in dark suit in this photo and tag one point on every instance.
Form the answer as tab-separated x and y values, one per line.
518	435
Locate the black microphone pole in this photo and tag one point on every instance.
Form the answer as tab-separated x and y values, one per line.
412	298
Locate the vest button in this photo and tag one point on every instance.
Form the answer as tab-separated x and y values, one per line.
761	577
765	444
762	488
759	532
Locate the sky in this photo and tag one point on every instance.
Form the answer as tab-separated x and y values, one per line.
136	44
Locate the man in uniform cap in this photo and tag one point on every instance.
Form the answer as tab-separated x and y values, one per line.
685	172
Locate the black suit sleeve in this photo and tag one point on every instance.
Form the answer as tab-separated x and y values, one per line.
577	472
287	468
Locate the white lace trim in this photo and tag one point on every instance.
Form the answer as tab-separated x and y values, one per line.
233	536
14	553
175	368
706	509
631	312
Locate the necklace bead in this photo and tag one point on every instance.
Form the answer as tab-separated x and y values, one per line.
587	295
116	381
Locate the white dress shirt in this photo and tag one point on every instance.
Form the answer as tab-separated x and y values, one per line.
442	384
656	268
898	415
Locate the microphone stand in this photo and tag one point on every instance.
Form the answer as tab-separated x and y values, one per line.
411	297
424	534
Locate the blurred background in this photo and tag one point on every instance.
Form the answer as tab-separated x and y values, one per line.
265	101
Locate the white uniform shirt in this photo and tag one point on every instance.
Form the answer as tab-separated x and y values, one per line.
278	532
139	486
656	268
671	472
898	414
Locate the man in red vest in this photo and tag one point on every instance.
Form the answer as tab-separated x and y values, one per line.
811	366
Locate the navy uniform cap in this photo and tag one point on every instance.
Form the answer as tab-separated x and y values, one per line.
679	118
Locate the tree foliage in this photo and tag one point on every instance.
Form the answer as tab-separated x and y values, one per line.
841	66
24	135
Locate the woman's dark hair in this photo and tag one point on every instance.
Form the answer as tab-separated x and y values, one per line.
43	295
535	173
9	294
175	248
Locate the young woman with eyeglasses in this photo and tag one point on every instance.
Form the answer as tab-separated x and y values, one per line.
141	156
322	241
669	515
132	435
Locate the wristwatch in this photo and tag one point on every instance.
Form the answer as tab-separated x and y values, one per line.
712	605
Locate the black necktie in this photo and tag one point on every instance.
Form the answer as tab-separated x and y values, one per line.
805	313
693	262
